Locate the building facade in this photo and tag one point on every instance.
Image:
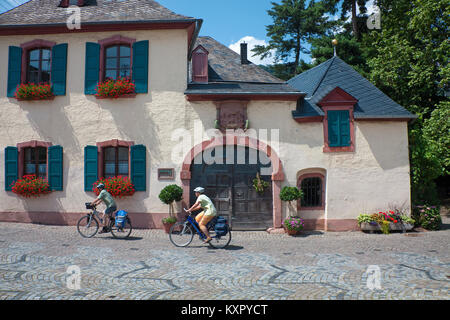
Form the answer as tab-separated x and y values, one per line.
200	115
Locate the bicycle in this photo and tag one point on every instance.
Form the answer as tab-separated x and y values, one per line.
181	234
88	225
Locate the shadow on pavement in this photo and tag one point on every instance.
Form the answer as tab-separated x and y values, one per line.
131	238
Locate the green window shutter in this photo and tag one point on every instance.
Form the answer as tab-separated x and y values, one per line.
344	128
339	128
92	67
59	69
11	166
90	167
333	128
140	66
14	70
55	168
138	167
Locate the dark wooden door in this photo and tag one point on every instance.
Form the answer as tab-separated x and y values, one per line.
230	186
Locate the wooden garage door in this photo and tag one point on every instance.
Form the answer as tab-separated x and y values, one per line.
229	184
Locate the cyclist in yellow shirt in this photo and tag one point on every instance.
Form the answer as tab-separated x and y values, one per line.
208	213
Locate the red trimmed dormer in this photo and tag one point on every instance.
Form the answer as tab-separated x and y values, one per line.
338	124
68	3
200	65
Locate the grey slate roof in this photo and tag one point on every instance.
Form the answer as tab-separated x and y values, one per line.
227	75
44	12
320	80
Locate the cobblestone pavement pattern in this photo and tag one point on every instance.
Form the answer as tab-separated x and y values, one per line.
34	260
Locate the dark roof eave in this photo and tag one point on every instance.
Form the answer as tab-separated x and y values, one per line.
92	26
209	96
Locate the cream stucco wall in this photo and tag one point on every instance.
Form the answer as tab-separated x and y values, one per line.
372	178
75	120
375	177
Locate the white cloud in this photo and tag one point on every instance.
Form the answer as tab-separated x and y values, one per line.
251	43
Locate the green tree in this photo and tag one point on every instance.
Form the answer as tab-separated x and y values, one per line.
410	64
294	23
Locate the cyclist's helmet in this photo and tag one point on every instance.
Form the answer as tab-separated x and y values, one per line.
199	190
100	186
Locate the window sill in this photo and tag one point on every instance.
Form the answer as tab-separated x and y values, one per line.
328	149
128	96
311	208
38	99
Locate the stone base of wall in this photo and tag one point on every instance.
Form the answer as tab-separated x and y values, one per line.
153	220
138	220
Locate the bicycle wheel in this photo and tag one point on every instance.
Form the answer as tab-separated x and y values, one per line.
181	234
87	226
121	232
219	242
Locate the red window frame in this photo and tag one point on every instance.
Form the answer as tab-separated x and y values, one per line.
338	99
112	143
29	46
21	153
299	185
112	41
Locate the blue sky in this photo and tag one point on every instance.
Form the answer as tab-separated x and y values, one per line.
229	22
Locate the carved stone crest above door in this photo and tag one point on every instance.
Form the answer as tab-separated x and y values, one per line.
231	114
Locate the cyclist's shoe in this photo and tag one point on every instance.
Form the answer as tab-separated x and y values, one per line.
104	230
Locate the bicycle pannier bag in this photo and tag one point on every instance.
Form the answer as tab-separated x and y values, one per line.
121	218
221	226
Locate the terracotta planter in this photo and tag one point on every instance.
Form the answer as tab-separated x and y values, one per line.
292	232
167	226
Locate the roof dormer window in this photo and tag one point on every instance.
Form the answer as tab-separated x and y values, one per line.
68	3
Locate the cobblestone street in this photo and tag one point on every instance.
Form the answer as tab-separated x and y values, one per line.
34	260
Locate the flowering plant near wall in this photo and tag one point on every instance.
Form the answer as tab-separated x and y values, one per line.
118	187
294	223
115	88
31	91
428	217
30	186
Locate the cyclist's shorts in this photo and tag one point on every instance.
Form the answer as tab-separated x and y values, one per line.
202	219
110	210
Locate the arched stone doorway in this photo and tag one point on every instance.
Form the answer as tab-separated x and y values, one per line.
276	176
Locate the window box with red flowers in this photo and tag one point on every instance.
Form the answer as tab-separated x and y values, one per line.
31	186
113	89
118	187
31	91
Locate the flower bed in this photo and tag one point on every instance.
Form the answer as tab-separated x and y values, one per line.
120	88
30	186
33	91
118	187
385	222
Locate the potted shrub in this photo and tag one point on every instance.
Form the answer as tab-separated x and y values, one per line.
30	186
118	187
31	91
289	194
293	225
169	195
122	87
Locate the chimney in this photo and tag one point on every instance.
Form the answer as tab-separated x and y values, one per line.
244	59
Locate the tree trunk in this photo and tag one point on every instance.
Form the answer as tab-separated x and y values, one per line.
355	21
297	53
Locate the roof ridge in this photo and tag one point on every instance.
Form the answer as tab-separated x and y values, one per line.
323	76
